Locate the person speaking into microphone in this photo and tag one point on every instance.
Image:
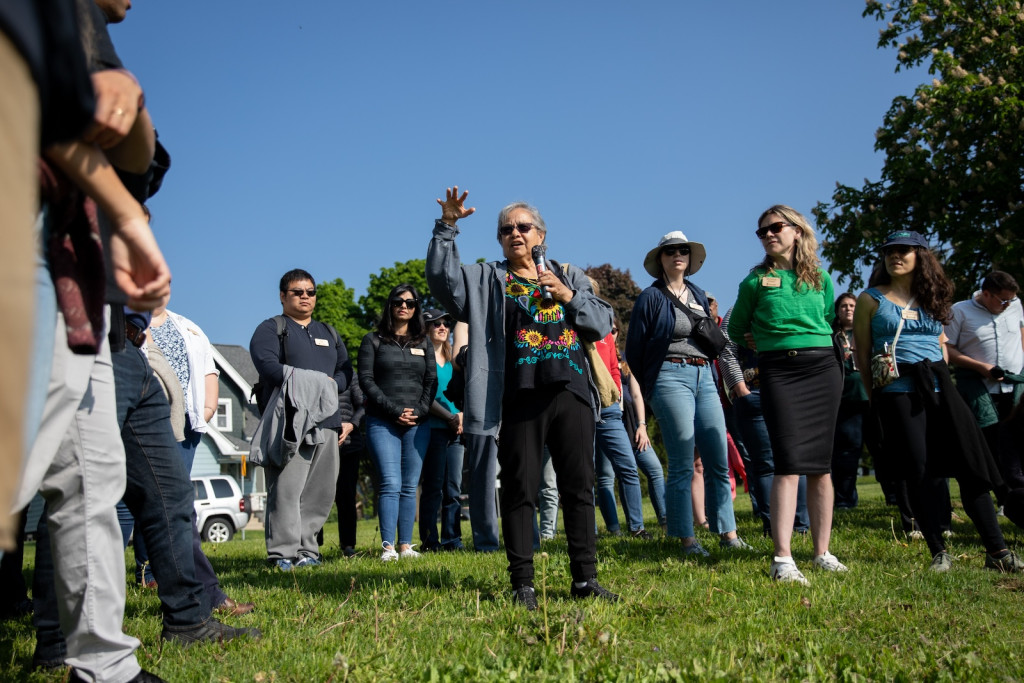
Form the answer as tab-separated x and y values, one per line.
527	373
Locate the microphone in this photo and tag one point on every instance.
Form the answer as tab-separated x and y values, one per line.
538	260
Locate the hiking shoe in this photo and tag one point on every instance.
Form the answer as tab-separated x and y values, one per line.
642	534
389	554
210	631
734	544
695	550
526	596
307	562
942	562
592	590
409	553
283	564
1009	562
784	571
829	563
348	551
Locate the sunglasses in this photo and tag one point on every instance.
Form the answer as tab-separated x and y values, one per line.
615	330
672	251
774	228
440	323
299	292
404	303
523	228
1003	302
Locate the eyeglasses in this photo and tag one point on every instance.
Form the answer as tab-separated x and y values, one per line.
672	251
440	323
1002	302
774	228
898	249
299	292
404	303
523	228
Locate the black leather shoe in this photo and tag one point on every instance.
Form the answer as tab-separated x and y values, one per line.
527	597
593	590
210	631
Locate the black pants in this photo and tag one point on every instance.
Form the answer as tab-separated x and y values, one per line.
905	425
560	419
345	494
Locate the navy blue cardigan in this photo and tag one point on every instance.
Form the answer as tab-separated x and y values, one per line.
650	332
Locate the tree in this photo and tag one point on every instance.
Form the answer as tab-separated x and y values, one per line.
618	289
954	152
336	304
413	271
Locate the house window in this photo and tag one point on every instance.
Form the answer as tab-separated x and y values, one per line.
222	420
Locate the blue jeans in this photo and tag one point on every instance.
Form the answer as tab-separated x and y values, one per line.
613	442
605	490
442	486
761	470
159	492
481	462
689	412
846	451
398	453
650	465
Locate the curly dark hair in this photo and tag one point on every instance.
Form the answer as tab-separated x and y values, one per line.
931	287
417	328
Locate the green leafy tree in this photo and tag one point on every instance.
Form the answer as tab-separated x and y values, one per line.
336	304
618	289
412	272
954	151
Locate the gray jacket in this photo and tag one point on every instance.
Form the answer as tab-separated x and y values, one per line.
475	293
304	400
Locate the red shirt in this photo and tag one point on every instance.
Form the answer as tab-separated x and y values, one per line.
606	349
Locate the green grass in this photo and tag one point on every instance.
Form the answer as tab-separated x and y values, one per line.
449	617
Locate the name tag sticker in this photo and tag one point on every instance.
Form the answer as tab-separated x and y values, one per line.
321	342
910	315
771	281
417	352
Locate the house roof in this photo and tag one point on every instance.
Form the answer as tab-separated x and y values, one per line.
226	445
235	361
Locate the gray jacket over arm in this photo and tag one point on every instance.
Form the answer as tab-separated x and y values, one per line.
475	293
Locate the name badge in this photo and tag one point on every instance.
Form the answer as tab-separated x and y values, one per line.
696	306
767	281
322	342
417	352
909	314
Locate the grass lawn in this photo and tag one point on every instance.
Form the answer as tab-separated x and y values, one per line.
449	617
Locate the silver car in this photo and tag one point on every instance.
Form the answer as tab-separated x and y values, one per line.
220	508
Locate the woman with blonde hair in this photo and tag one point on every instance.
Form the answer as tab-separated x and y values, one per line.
784	310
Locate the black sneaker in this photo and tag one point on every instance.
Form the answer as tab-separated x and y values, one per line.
210	631
593	590
527	597
1007	562
141	677
642	534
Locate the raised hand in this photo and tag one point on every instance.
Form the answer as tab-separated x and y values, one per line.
454	207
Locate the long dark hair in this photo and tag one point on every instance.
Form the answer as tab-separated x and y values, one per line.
417	328
931	287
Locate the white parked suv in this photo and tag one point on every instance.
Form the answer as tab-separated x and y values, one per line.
220	508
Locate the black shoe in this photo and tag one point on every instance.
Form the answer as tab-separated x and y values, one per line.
141	677
210	631
642	534
593	590
527	597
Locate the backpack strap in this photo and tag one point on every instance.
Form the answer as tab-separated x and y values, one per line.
282	333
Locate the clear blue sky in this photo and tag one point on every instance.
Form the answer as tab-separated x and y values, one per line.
317	134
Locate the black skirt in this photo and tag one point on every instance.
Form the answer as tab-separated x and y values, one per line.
800	394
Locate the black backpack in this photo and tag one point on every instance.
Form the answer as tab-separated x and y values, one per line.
263	390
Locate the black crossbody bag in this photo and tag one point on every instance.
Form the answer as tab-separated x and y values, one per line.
704	331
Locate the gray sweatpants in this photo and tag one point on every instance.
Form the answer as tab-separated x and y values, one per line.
299	499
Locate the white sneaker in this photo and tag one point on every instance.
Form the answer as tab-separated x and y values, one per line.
829	563
409	553
389	554
784	570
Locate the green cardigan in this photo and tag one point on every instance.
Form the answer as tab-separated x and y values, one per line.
784	317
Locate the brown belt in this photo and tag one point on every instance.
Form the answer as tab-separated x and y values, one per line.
135	334
687	361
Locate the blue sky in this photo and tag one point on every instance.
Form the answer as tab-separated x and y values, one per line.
318	134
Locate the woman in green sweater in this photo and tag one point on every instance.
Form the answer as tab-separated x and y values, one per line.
784	311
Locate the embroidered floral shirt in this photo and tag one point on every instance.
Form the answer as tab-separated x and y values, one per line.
544	350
